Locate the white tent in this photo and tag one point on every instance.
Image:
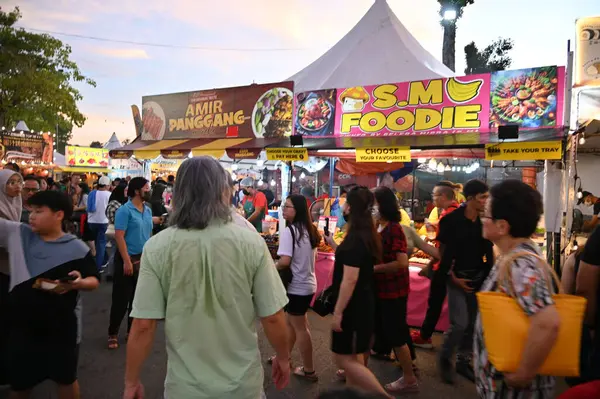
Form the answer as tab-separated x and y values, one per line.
379	49
112	143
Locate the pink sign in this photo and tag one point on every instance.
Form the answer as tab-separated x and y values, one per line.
530	98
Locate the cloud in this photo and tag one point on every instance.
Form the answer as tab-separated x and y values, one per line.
123	53
100	126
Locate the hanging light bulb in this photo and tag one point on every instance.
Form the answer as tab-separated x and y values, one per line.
476	165
575	246
302	175
448	168
234	166
422	160
260	182
273	183
260	162
453	169
432	164
293	179
440	168
582	139
579	193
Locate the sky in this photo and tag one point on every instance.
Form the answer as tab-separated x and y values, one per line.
299	30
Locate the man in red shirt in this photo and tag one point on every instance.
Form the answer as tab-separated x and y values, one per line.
254	203
444	199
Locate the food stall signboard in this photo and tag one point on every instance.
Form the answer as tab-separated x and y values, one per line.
587	60
531	98
261	111
26	146
383	154
527	151
287	154
87	156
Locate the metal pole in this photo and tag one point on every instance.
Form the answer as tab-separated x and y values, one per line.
331	175
414	176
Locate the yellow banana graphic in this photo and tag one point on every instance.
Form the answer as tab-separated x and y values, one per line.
461	92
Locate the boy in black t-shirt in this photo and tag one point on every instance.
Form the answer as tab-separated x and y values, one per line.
48	268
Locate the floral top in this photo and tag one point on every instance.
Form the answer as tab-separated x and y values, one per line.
532	294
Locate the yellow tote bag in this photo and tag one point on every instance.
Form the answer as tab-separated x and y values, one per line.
506	326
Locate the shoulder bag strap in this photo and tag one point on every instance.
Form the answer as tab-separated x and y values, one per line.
505	275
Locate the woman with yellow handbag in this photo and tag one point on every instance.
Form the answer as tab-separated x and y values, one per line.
523	336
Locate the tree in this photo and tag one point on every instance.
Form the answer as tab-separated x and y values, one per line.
125	142
449	25
36	80
96	144
492	58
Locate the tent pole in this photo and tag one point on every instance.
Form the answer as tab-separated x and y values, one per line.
331	175
412	202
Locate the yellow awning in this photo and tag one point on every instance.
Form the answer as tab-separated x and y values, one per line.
83	169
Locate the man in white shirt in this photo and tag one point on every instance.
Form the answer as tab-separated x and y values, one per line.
96	207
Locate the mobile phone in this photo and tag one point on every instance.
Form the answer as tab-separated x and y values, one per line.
326	228
66	279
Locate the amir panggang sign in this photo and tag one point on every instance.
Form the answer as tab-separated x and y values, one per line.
261	111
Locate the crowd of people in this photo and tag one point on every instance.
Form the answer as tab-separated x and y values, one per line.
210	277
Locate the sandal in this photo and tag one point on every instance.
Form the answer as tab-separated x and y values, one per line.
311	376
399	386
341	375
113	342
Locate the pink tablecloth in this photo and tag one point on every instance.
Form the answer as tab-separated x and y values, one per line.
417	299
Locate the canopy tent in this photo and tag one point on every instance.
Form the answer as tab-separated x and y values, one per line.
112	143
378	49
181	148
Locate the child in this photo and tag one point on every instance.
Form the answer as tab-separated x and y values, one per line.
48	268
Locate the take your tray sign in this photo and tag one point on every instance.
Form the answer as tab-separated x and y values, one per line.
287	154
528	151
383	154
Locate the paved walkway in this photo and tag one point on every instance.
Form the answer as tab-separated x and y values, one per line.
101	371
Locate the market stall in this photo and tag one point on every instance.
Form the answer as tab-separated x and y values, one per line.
32	151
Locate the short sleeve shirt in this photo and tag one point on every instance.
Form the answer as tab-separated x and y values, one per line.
396	284
532	295
360	257
304	280
137	226
209	286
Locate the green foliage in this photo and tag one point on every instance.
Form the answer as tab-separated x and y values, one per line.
36	80
492	58
96	144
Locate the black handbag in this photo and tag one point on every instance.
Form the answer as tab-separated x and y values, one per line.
325	302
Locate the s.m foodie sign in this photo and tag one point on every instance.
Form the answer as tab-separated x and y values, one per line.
383	154
528	151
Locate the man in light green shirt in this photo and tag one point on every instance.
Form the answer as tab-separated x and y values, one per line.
209	284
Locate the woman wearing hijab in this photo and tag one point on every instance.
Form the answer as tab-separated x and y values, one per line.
11	184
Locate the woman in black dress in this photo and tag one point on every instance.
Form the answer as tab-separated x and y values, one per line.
354	314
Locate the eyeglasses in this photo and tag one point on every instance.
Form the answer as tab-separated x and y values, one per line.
31	190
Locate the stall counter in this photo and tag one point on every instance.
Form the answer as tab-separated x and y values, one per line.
417	299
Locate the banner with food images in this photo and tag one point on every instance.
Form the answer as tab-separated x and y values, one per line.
255	111
87	156
587	52
26	146
530	98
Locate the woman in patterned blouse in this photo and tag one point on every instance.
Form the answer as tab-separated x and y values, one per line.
511	217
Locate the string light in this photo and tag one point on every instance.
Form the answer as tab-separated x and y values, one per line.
579	193
422	160
440	168
432	164
234	166
582	139
260	162
293	179
302	175
273	183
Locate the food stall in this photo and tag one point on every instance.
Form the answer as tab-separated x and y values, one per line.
32	151
86	161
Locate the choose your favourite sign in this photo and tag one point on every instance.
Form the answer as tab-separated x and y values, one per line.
287	154
532	151
383	154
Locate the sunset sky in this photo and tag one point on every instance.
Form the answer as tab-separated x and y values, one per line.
301	30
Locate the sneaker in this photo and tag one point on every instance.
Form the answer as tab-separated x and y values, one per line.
466	370
399	387
419	342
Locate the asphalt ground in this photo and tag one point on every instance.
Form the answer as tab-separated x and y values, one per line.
101	371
